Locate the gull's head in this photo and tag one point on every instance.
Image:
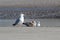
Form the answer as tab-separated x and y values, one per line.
22	15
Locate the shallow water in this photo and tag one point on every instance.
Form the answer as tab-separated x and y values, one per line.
44	22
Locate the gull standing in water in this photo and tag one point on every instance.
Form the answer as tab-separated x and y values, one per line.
20	20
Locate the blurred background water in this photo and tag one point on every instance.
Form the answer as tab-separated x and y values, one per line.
30	13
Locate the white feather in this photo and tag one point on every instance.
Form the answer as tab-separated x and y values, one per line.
21	18
38	24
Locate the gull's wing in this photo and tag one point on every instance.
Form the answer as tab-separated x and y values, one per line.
17	21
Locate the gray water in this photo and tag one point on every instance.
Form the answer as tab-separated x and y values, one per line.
44	22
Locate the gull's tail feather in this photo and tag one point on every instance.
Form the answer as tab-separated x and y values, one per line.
28	24
14	24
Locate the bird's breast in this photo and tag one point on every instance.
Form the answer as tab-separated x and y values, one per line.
22	19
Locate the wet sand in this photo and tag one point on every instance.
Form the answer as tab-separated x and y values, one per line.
29	33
